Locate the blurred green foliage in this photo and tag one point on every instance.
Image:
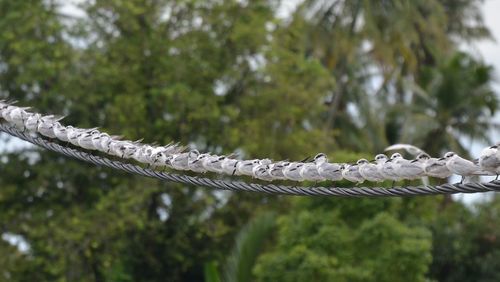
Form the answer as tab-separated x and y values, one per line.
322	244
342	77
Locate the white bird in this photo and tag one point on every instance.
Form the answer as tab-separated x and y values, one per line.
489	160
180	161
6	107
60	132
320	158
351	172
461	166
380	160
261	171
31	123
123	149
6	112
246	167
107	144
388	168
114	146
276	170
143	154
102	142
407	169
326	170
407	147
309	171
292	171
330	171
85	140
18	116
213	163
159	159
195	162
158	149
229	166
128	150
73	133
99	140
46	125
435	167
370	172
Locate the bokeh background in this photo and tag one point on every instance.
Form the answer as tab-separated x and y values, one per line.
279	79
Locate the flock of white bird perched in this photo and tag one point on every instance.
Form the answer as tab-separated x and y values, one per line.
177	157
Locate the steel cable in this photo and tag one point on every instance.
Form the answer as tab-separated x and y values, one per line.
225	184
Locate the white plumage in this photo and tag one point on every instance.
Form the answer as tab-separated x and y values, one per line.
319	169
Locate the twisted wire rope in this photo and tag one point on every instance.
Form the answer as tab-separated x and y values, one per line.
225	184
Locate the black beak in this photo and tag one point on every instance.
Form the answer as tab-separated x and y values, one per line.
441	159
388	161
414	161
305	160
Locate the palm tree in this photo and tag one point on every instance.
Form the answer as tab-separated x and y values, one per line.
391	41
452	101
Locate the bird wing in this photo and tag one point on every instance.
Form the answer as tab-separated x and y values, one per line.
407	147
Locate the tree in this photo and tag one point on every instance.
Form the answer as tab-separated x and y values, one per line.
465	244
366	43
228	76
325	244
135	74
454	100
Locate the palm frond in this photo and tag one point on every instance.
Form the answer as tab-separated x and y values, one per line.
248	245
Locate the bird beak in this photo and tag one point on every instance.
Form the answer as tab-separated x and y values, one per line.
414	161
441	159
305	160
389	160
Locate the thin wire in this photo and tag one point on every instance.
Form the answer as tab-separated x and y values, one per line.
224	184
